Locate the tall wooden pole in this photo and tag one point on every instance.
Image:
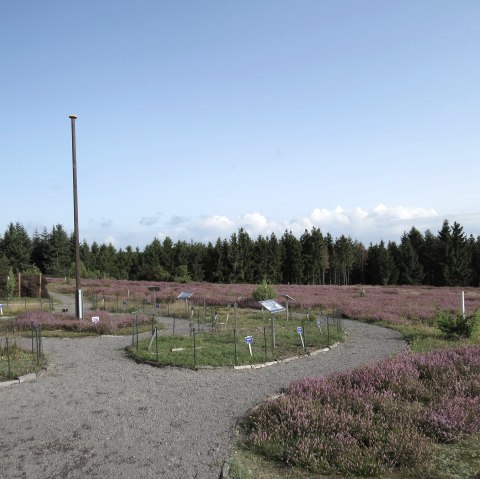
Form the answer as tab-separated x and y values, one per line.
78	287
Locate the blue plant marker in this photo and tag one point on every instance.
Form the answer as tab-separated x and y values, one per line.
300	332
249	341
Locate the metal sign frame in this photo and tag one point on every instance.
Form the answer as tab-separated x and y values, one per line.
272	306
185	295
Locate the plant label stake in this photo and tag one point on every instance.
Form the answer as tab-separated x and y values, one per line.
300	332
249	341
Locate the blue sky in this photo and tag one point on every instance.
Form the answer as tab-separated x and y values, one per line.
196	118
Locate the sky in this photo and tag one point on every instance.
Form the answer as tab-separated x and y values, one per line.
197	118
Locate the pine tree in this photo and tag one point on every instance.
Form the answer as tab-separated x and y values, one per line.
59	254
410	269
17	247
457	260
292	266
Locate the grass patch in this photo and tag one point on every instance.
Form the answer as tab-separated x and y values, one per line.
460	460
226	346
18	362
421	337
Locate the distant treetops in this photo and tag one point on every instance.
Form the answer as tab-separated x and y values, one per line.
448	258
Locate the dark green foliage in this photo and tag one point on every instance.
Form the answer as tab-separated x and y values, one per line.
17	247
446	259
381	266
264	291
456	325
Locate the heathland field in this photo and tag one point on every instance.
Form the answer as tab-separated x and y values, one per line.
414	414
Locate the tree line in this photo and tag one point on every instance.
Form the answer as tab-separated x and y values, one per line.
448	258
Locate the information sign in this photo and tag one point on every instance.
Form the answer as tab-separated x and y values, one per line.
185	295
272	306
95	319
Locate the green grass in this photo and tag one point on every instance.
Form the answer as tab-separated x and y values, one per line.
459	460
21	363
217	348
423	338
451	461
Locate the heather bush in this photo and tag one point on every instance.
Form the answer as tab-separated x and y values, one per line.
394	305
108	323
375	419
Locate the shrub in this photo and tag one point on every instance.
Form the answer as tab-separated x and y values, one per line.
452	325
375	419
456	325
264	291
475	326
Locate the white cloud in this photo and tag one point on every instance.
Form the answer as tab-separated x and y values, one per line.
338	215
217	222
403	213
381	222
365	225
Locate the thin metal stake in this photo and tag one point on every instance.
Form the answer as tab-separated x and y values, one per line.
194	350
136	327
235	344
303	334
265	342
8	359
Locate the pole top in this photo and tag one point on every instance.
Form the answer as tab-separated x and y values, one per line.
73	117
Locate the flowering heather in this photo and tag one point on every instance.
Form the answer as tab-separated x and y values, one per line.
108	323
392	304
375	419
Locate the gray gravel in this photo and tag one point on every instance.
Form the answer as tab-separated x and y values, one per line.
97	414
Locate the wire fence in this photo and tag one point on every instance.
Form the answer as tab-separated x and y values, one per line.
17	360
204	340
9	306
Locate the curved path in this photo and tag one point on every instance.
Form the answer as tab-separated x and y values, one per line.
97	414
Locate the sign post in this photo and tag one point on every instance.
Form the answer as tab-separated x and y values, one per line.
300	332
249	341
185	295
273	307
287	302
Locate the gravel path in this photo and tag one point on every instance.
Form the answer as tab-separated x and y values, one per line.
97	414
